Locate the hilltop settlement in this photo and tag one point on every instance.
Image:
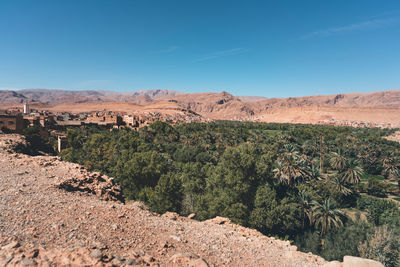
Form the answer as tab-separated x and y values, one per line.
16	120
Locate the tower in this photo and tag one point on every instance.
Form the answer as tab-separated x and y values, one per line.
26	108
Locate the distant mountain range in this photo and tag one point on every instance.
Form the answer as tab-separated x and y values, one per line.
389	98
212	105
54	97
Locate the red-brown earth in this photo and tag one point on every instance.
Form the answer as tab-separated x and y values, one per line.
375	107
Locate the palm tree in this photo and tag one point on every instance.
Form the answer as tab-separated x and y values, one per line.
315	173
340	185
290	148
290	168
327	215
338	161
352	173
309	148
390	168
307	203
286	172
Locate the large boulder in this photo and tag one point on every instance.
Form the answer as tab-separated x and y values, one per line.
219	220
334	264
350	261
94	183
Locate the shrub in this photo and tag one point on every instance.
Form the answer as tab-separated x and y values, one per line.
377	188
382	246
167	195
377	208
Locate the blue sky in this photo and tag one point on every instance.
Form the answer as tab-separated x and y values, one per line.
268	48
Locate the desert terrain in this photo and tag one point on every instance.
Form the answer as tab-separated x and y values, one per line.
315	115
375	109
57	213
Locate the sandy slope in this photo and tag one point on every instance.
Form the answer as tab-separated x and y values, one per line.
316	114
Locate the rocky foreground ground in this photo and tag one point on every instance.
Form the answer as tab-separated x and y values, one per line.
57	213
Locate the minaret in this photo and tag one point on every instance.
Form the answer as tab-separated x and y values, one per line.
26	108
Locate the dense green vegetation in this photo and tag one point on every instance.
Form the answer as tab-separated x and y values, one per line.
322	187
36	143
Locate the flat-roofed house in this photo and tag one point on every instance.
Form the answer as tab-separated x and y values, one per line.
13	123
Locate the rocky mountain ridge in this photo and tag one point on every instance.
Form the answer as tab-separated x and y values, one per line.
55	96
377	109
57	213
384	99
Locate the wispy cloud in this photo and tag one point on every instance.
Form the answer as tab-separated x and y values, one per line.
167	50
392	13
223	53
365	25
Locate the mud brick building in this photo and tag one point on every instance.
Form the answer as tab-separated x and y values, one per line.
12	123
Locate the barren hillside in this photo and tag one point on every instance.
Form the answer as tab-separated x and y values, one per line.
319	114
376	107
57	213
55	97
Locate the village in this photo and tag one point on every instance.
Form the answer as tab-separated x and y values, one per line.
16	120
359	124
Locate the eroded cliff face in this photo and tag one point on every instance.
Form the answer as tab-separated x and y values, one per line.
57	213
376	109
